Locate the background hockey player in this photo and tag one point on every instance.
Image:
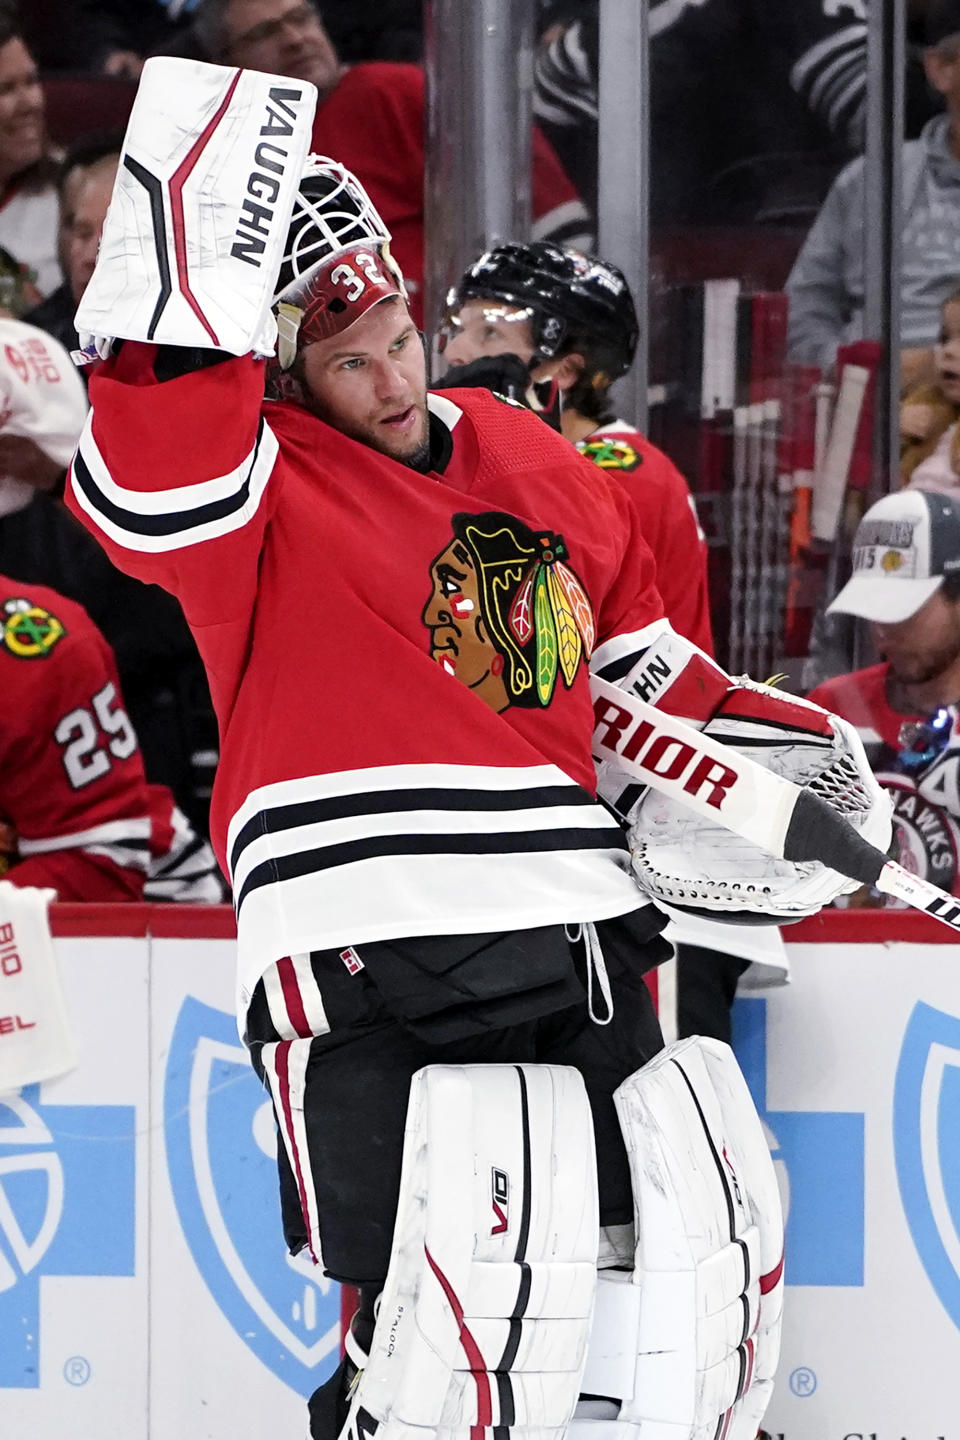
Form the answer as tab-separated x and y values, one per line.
554	328
400	598
76	812
543	315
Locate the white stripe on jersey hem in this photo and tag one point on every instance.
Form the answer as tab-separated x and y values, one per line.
191	534
495	778
316	836
394	896
633	644
178	500
113	830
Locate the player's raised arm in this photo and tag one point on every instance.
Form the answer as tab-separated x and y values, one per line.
179	308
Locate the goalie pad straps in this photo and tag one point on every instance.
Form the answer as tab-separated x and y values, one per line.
485	1313
195	233
702	1307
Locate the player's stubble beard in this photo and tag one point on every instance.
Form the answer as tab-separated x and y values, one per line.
417	457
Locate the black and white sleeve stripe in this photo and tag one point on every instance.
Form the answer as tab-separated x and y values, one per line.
565	81
125	842
162	520
831	77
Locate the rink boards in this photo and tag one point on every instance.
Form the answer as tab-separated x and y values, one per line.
144	1286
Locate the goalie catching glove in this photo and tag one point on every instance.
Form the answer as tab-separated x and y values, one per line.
690	863
692	854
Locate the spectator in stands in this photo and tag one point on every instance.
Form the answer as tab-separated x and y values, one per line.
724	152
43	409
28	195
84	183
929	434
76	812
114	37
371	117
826	285
906	583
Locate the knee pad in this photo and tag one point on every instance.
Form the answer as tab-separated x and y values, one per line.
485	1314
685	1345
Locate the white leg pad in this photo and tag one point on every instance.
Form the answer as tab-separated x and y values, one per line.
686	1345
485	1314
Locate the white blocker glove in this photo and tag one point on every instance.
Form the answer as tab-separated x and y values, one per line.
195	232
691	863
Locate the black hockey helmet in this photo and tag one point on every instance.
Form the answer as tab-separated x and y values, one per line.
573	299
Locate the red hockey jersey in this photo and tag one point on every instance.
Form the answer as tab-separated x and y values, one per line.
398	661
374	122
668	521
927	836
71	777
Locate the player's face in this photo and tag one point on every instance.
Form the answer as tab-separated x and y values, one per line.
946	352
488	327
926	645
90	211
22	132
281	37
370	382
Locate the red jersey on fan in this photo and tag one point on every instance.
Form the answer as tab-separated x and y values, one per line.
668	521
928	837
398	660
72	786
374	123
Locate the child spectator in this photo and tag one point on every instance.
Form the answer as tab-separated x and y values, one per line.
929	435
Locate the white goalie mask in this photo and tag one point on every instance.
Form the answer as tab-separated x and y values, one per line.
336	261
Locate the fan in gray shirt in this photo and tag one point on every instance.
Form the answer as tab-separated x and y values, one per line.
826	284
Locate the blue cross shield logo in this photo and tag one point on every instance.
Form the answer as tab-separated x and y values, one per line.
926	1122
221	1155
66	1208
819	1159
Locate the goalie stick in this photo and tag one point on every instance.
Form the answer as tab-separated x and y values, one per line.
789	821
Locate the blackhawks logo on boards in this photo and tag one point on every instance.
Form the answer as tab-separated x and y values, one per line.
28	631
507	614
610	453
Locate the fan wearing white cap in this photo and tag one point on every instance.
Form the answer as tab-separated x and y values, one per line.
906	584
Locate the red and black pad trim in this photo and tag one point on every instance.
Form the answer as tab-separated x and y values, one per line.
177	181
508	1414
154	189
775	710
746	1359
478	1366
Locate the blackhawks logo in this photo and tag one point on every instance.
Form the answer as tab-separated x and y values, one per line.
507	615
610	454
28	631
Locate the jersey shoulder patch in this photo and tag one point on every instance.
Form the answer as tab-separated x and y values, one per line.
610	453
28	631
